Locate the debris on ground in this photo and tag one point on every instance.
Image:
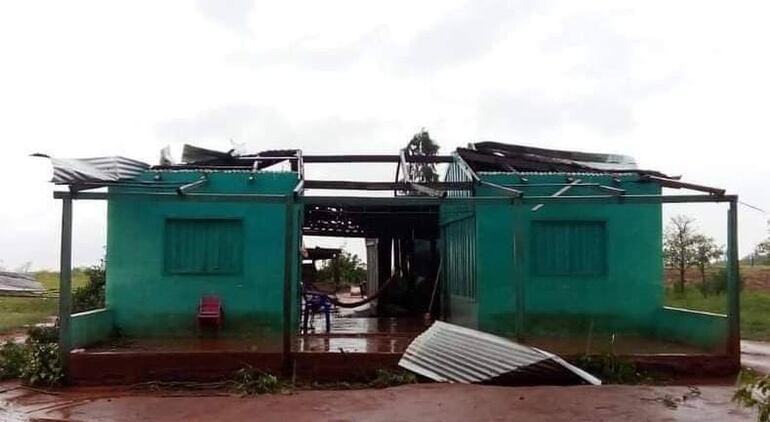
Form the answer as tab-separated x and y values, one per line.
450	353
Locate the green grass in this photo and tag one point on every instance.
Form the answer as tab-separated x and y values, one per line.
755	309
17	312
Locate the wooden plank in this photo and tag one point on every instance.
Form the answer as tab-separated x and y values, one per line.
401	186
376	159
678	184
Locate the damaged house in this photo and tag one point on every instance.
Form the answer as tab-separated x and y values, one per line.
557	250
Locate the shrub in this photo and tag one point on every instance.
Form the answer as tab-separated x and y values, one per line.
42	366
36	362
90	296
12	360
387	378
611	369
43	334
754	391
251	381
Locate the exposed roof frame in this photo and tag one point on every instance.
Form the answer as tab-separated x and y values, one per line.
377	158
677	184
398	186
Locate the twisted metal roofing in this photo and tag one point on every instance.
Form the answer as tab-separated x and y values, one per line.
450	353
71	171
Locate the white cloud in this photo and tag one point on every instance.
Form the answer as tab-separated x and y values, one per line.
682	86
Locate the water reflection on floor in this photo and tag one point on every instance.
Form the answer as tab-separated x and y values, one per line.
359	335
351	334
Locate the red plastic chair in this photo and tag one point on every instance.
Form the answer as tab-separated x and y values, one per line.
210	311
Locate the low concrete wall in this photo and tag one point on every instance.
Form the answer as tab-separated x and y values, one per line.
91	327
703	329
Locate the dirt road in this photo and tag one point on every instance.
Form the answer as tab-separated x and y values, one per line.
423	402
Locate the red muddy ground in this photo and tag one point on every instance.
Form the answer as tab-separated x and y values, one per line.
422	402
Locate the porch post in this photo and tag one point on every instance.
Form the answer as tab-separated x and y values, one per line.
289	252
65	283
733	284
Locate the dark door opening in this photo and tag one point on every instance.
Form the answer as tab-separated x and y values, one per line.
403	255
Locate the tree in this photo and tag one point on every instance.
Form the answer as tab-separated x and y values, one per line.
421	145
706	251
679	248
347	268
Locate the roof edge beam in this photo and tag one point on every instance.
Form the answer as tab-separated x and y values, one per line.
677	184
384	158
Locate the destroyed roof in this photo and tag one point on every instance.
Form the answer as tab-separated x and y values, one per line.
196	157
70	171
496	156
18	284
480	157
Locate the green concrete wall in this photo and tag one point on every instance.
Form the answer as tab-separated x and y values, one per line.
148	300
703	329
91	327
624	296
458	231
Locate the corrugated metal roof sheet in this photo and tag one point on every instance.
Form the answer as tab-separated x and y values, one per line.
16	284
450	353
72	171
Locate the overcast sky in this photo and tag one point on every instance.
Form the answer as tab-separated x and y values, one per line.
682	86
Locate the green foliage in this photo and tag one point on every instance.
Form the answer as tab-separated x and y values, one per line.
754	392
346	269
91	295
250	381
42	334
36	362
385	378
706	251
12	360
715	283
42	366
611	369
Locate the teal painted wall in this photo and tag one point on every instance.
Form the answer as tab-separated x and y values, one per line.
458	231
91	327
693	327
459	245
147	299
624	295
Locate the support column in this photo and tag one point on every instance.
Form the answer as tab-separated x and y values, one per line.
289	254
733	284
384	258
65	284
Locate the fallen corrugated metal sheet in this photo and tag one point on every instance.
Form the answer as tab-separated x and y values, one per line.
94	170
16	284
450	353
